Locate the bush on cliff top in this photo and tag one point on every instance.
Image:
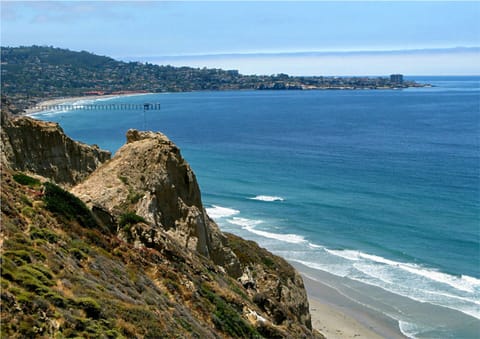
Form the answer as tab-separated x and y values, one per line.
66	204
130	218
26	180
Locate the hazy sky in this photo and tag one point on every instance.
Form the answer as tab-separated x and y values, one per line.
158	31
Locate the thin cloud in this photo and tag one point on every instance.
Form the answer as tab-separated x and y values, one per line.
9	11
448	61
67	12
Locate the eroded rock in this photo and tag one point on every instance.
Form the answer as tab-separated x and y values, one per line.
43	148
148	176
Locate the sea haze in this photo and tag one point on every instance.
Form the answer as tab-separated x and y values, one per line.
378	187
444	61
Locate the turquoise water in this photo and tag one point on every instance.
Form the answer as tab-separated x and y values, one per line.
379	187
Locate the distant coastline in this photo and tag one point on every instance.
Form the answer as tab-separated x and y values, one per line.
34	74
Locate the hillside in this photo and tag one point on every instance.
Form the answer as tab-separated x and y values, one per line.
33	73
137	258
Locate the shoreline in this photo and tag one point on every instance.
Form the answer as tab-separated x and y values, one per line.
336	316
40	106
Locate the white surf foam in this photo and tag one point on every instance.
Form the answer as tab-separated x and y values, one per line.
420	283
217	212
408	329
346	254
458	283
50	113
462	283
425	284
249	225
312	245
268	198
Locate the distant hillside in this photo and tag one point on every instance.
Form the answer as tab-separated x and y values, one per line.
29	73
48	71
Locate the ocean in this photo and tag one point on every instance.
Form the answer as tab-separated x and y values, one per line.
380	188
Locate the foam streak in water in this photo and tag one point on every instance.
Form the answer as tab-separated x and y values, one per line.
268	198
425	284
463	283
217	212
249	225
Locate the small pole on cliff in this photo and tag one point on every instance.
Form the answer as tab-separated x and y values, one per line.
145	108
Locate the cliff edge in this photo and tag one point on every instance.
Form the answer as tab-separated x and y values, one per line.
42	148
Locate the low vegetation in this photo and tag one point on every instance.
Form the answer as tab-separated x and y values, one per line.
67	205
24	179
63	277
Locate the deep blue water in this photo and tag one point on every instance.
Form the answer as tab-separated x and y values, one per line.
381	187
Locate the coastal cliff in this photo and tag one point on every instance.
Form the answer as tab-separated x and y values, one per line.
130	250
42	148
149	177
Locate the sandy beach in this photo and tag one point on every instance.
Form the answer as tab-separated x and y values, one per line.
334	324
337	316
43	105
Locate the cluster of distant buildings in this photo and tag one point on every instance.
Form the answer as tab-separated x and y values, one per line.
396	78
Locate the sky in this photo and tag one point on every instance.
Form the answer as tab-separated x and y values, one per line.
268	37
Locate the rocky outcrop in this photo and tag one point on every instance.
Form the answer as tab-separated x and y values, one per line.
273	284
43	148
149	177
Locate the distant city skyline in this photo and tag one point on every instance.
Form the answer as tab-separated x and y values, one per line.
300	38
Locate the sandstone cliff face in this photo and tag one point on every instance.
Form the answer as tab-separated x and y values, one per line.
148	176
44	149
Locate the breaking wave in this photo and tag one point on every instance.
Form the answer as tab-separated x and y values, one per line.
217	212
414	281
268	198
249	225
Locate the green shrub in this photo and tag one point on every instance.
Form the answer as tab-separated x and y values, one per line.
130	218
56	299
226	318
90	306
134	197
43	270
171	286
30	283
77	253
19	257
44	233
66	204
25	200
34	278
26	180
28	212
19	239
268	262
